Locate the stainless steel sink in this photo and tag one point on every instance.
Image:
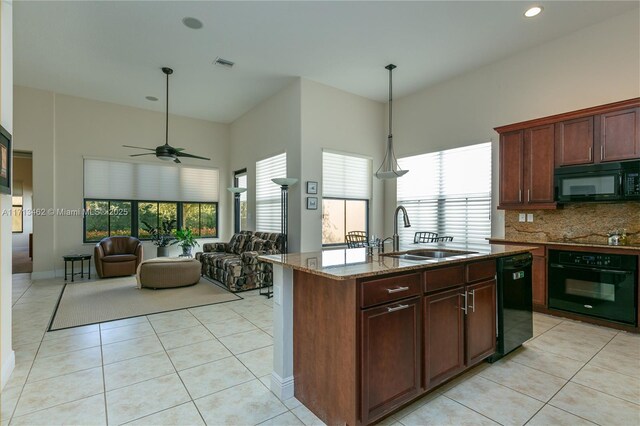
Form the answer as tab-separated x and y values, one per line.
426	254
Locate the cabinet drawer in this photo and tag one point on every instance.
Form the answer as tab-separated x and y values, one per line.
437	279
485	270
389	289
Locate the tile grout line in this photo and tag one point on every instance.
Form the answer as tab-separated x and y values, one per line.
104	379
569	381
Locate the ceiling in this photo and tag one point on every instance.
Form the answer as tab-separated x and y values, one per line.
113	51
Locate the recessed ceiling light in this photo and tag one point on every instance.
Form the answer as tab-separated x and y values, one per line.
533	11
193	23
151	98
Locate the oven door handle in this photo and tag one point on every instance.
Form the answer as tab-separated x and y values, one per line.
609	271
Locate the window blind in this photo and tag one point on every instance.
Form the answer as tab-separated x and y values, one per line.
268	193
346	176
119	180
448	192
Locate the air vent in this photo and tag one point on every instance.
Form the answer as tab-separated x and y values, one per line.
223	63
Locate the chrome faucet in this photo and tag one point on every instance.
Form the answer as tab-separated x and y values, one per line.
407	224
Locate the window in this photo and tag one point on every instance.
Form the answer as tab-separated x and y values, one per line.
106	218
346	190
240	181
16	214
448	192
268	193
121	196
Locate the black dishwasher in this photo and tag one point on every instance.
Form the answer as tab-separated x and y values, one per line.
515	303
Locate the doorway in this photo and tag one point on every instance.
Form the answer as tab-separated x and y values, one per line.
22	220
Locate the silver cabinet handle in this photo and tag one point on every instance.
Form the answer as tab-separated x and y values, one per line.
590	153
473	304
601	152
397	308
464	305
528	195
397	290
519	195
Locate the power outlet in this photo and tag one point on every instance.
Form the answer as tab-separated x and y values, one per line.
522	217
530	217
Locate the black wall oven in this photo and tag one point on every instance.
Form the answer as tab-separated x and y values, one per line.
595	284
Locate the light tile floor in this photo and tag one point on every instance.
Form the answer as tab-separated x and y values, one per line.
211	365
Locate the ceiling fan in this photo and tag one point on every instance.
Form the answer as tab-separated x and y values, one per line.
166	152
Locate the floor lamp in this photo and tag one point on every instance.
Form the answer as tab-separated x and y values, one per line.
284	183
236	199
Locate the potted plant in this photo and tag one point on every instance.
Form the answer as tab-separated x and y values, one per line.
161	235
186	240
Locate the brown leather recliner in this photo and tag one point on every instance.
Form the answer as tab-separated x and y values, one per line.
117	256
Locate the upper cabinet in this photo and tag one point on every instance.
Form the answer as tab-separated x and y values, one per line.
526	168
620	135
610	136
531	150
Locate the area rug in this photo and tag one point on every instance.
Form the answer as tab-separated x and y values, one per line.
112	299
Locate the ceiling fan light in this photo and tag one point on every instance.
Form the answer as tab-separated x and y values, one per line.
166	157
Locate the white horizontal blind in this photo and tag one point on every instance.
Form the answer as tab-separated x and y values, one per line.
268	193
346	176
448	192
119	180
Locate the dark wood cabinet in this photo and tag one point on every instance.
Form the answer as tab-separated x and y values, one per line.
511	168
444	336
480	321
539	164
539	280
620	135
574	141
391	356
526	168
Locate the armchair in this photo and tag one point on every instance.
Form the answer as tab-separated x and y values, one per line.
117	256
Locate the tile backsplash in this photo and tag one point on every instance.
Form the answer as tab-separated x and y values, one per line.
576	223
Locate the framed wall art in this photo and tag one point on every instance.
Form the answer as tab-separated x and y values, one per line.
312	203
5	161
312	187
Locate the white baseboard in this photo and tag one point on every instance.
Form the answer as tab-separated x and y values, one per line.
7	368
283	388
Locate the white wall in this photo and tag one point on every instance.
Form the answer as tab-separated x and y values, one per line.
339	121
593	66
268	129
22	174
60	130
7	356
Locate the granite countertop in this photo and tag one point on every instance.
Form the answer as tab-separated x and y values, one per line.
344	264
632	247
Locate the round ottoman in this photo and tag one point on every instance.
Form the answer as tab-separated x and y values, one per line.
168	272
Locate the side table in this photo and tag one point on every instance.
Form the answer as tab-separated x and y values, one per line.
73	258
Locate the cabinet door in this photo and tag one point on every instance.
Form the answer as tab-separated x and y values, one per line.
539	280
511	157
390	356
444	336
539	164
574	142
620	135
480	321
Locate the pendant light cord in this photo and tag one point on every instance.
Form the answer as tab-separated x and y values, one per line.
166	121
390	99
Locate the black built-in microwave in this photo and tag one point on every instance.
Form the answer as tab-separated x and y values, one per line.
598	182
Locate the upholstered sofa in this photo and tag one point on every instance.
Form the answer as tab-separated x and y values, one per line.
235	264
117	256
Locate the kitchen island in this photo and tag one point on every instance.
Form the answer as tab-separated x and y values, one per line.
358	336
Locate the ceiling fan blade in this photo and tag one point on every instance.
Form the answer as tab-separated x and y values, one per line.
139	147
146	153
175	160
178	149
184	154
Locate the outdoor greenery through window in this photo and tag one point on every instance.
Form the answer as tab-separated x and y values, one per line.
449	193
104	218
346	190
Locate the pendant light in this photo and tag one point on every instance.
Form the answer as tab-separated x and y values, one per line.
389	169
